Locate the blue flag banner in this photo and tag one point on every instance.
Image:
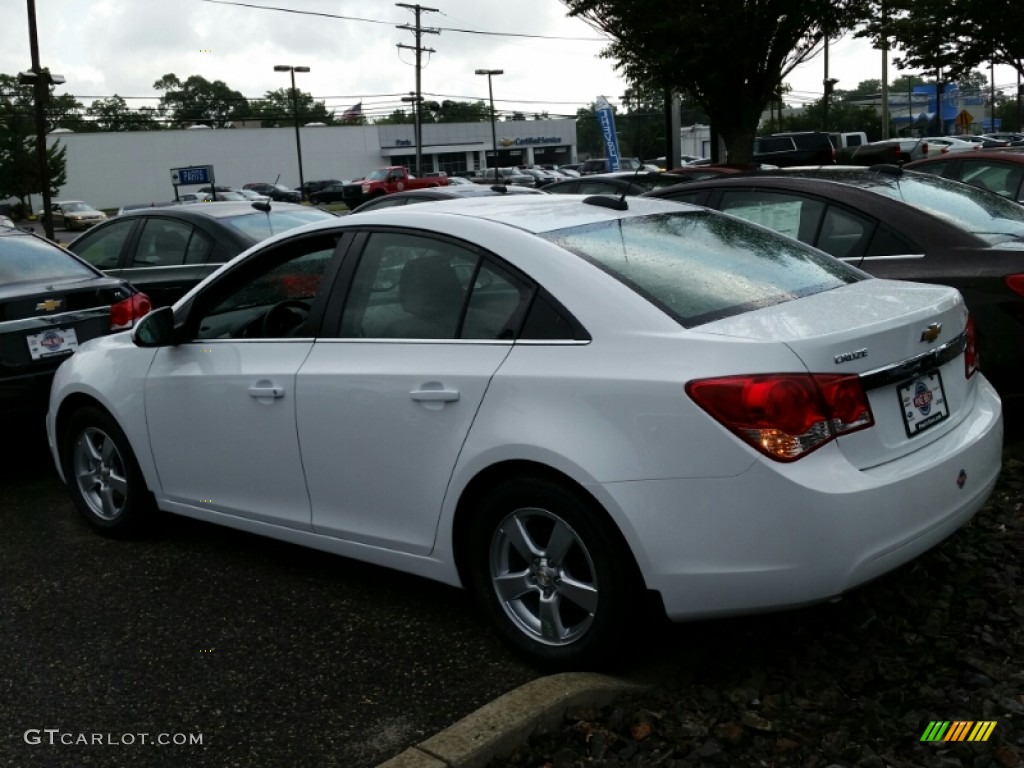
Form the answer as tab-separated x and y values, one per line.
606	119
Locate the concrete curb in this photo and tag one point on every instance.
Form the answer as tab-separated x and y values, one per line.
503	724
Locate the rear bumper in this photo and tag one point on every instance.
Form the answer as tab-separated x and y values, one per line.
784	535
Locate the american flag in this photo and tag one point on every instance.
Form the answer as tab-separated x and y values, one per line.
354	112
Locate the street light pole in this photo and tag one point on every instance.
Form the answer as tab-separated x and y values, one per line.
40	81
494	135
295	110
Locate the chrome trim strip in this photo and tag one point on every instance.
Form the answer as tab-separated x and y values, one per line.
476	342
49	321
914	366
896	257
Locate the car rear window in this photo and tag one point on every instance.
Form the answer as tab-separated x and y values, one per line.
259	226
703	266
24	258
980	212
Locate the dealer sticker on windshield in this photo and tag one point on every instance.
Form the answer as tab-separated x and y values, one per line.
56	341
923	402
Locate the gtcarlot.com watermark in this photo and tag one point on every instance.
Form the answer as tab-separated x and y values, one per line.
57	736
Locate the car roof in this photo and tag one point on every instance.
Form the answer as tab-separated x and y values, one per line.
530	213
1010	154
218	210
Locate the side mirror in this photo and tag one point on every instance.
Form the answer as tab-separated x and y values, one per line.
156	329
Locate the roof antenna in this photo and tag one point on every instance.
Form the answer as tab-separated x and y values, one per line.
615	203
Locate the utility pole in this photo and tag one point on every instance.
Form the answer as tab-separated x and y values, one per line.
419	31
885	72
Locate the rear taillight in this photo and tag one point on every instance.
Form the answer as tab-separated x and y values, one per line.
971	360
1015	283
124	313
787	415
924	149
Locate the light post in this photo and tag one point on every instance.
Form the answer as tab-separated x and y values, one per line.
416	101
40	80
494	135
295	110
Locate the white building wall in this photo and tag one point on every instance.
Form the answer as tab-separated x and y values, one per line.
113	169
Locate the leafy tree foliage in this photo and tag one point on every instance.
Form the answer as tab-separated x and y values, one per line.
397	117
19	166
276	108
114	114
197	101
679	45
449	111
954	35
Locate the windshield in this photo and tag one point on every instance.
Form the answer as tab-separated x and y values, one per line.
979	211
24	258
259	226
75	207
379	175
702	266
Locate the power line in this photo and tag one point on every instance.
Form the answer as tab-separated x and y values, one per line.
390	23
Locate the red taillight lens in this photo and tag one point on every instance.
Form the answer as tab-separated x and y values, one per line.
125	312
1015	283
785	416
971	359
924	149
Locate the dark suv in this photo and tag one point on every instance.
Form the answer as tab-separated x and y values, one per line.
797	148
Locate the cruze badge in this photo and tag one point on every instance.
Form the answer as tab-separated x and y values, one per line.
931	333
846	357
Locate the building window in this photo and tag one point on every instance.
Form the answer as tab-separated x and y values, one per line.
452	162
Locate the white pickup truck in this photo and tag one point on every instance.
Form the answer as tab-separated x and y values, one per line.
886	151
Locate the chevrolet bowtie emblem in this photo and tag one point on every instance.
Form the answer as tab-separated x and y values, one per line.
931	333
49	305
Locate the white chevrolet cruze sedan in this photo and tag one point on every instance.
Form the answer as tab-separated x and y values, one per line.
564	404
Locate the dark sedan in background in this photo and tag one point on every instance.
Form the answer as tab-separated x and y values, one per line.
903	225
50	303
165	251
1000	171
442	193
630	182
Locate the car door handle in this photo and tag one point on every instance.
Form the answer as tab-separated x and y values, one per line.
259	390
435	395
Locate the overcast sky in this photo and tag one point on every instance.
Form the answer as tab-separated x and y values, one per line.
103	47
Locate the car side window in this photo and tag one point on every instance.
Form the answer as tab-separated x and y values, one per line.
886	242
789	214
199	248
595	188
409	286
935	168
162	243
843	233
685	197
388	201
270	299
102	247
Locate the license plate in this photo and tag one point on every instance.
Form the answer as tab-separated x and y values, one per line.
923	403
56	341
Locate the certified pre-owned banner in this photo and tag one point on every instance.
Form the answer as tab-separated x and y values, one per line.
606	119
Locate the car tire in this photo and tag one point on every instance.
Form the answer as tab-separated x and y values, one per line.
553	574
103	475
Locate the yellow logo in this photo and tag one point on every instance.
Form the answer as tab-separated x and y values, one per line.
507	142
49	305
931	333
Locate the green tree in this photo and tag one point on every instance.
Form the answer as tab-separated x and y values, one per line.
114	114
397	117
276	108
19	164
588	133
679	45
449	111
197	101
952	35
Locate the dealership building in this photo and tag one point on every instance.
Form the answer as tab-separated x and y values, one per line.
109	170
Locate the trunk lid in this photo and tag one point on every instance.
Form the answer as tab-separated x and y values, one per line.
904	340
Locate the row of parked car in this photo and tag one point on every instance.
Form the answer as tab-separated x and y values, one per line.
568	404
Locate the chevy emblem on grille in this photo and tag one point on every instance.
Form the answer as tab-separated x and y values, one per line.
931	333
49	305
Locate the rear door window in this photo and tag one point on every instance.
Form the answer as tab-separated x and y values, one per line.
102	247
792	215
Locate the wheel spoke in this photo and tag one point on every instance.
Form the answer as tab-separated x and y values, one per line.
551	627
512	586
88	448
108	449
517	535
583	595
562	539
110	508
119	484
